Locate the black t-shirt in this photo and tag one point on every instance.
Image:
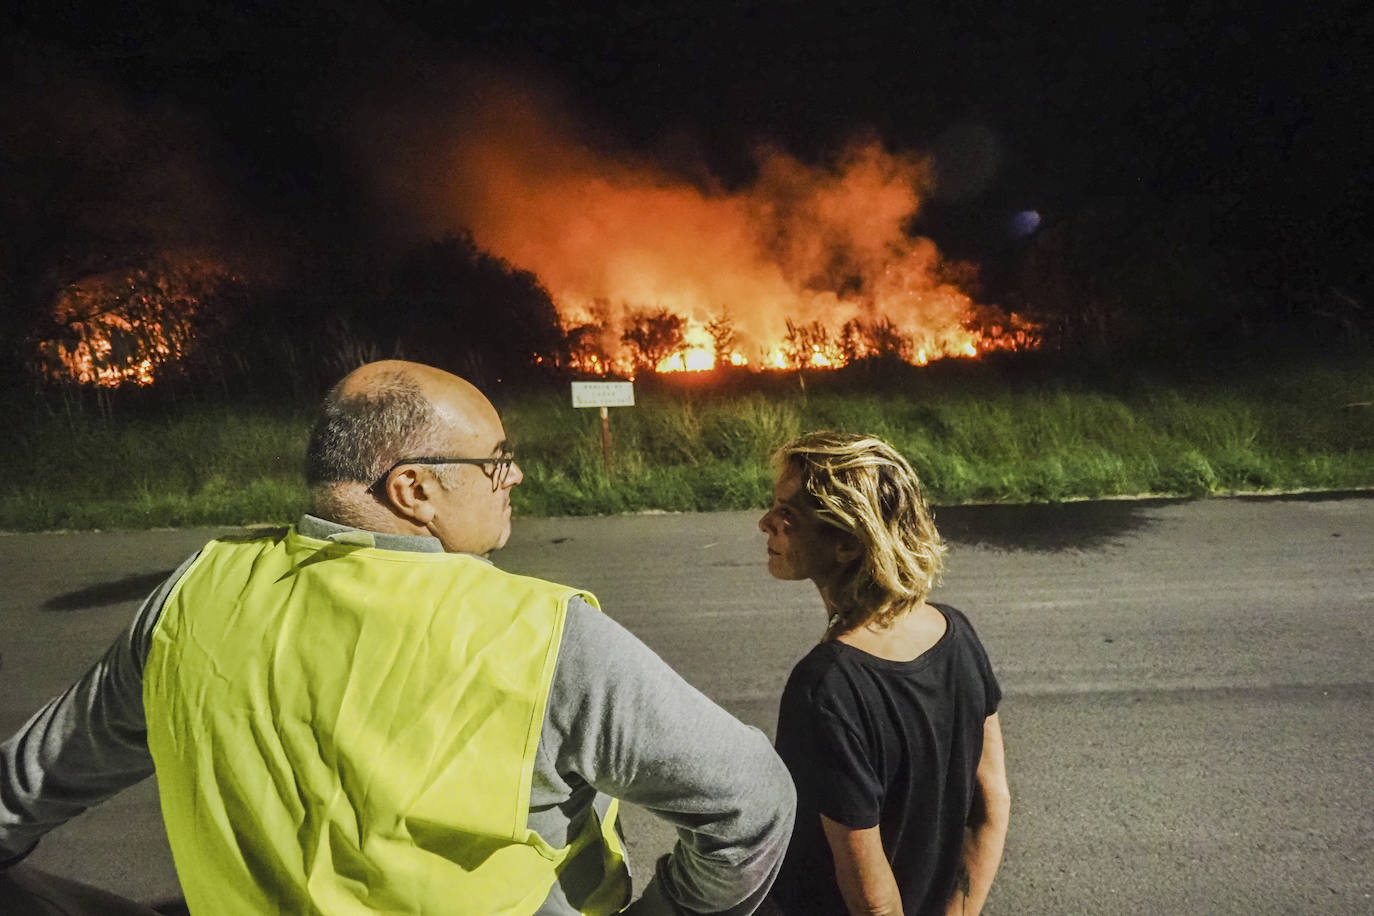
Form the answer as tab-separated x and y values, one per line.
892	743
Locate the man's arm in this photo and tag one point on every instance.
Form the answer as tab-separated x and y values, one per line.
83	746
629	725
861	868
986	832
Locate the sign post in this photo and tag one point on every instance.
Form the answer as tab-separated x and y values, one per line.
604	395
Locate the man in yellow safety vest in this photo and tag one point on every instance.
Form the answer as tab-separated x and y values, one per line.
361	714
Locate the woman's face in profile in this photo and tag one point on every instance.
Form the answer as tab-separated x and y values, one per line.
800	546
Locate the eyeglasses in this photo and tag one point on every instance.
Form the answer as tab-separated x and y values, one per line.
498	468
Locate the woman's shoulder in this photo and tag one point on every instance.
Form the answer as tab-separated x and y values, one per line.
829	675
951	613
959	624
970	647
816	664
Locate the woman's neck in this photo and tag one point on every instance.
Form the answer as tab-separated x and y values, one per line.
907	637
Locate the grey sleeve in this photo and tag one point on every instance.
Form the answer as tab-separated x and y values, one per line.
629	725
84	745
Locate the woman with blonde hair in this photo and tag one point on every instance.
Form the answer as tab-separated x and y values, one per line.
889	726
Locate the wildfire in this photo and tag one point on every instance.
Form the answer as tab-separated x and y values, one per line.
109	351
122	327
830	354
815	345
807	266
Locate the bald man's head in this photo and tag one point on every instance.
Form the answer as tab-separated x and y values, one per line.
365	424
371	458
384	411
436	384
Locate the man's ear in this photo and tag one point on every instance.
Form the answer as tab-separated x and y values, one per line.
409	492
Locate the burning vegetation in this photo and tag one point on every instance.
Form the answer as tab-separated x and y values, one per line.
126	327
806	266
558	254
664	342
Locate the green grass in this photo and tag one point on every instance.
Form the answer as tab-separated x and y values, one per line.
974	435
217	465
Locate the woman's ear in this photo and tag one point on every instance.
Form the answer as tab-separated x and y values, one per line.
847	549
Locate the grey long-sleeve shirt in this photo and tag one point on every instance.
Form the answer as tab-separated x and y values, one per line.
619	722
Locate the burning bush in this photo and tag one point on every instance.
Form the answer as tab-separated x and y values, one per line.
130	326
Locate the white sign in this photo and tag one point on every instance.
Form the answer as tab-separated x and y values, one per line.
603	394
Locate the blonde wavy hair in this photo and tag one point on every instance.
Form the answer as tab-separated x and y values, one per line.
865	488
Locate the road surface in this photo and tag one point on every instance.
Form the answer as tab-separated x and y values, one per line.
1189	692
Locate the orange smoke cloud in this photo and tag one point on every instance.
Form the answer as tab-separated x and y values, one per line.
608	235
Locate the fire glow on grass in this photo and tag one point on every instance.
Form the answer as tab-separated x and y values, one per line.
806	266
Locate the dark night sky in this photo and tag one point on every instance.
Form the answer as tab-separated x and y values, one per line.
1085	98
1260	114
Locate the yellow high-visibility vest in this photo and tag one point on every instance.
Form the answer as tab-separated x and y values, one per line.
339	729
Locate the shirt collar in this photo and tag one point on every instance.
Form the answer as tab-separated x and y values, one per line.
313	526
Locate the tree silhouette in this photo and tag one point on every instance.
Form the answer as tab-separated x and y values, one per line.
455	306
584	348
653	337
805	343
875	339
723	337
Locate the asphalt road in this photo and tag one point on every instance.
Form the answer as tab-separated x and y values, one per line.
1189	699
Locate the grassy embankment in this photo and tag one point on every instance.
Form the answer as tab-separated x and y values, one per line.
974	435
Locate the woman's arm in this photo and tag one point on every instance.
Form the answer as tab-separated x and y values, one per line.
986	832
861	868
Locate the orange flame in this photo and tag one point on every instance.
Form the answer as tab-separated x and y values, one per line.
824	249
123	327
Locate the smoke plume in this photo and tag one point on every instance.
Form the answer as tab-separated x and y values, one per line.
610	233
